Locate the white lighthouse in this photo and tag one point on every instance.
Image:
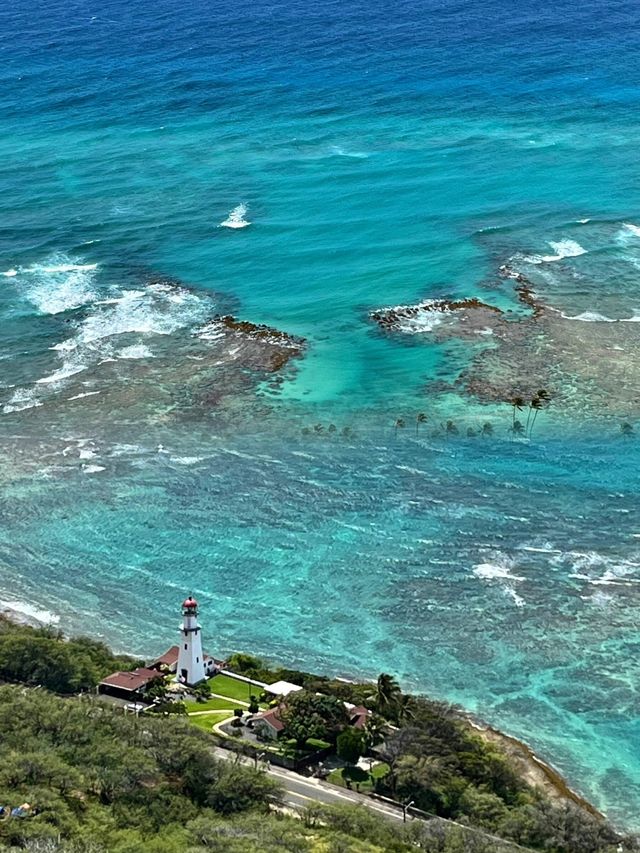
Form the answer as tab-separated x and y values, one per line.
191	667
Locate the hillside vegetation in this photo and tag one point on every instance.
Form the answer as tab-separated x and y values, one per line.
84	778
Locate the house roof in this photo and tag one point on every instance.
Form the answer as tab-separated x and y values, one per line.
133	681
358	716
272	718
282	688
168	658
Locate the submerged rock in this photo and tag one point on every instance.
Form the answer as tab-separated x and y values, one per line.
589	363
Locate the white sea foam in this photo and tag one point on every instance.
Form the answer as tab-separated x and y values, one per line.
517	599
563	249
596	317
339	151
589	317
159	309
186	460
499	572
59	284
632	229
85	394
424	320
135	351
10	273
542	549
495	571
236	219
22	399
599	569
44	616
69	368
92	469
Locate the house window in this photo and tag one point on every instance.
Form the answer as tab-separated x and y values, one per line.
185	647
197	660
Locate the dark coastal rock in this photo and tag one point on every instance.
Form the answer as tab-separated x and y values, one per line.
390	319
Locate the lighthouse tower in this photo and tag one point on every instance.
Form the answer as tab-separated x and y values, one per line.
190	660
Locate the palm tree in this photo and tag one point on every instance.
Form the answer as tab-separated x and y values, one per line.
406	707
347	432
331	428
451	428
626	429
487	428
399	424
387	694
373	730
318	428
517	428
421	418
540	401
517	403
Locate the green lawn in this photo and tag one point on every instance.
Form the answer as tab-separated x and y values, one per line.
357	776
213	705
207	721
234	689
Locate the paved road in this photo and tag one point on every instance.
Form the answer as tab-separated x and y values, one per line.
302	790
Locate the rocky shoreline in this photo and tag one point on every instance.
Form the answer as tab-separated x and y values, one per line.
534	770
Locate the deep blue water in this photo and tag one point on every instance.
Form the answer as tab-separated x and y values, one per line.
383	154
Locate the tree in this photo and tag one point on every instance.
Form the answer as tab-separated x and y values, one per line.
350	745
373	730
312	715
487	429
406	708
254	707
421	418
158	689
517	403
422	778
451	428
540	401
626	429
202	691
399	424
387	694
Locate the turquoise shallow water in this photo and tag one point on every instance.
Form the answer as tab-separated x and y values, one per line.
383	156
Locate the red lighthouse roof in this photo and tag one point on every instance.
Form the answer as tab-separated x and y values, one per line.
189	602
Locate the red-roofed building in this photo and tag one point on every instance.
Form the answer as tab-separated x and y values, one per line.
358	716
169	660
129	685
268	724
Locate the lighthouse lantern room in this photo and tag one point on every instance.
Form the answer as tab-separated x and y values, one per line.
191	665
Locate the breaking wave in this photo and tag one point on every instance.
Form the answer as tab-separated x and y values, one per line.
159	309
59	284
236	219
562	249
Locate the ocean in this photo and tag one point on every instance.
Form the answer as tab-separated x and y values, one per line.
301	167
